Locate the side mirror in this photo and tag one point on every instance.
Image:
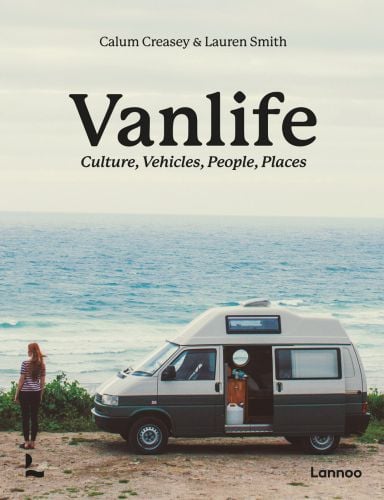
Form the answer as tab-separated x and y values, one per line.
169	373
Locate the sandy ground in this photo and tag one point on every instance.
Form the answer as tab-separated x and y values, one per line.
79	465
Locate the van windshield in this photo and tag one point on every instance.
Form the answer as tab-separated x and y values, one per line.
155	360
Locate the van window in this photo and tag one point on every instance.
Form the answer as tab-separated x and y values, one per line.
196	364
307	364
253	324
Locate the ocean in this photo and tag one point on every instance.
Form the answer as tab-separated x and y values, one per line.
98	292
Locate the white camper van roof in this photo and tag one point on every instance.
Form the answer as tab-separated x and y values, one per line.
228	326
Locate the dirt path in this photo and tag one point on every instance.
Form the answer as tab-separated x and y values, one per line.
82	465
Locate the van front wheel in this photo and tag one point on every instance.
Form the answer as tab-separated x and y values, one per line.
321	444
148	436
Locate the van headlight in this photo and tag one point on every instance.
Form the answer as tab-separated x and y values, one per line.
107	399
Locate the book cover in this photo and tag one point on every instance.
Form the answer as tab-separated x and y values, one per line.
162	159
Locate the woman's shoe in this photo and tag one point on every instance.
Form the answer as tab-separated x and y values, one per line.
23	446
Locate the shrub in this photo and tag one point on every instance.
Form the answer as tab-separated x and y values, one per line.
376	404
9	411
66	406
374	432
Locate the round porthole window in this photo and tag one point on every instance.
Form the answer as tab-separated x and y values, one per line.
240	357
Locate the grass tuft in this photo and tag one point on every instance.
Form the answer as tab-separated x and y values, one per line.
374	432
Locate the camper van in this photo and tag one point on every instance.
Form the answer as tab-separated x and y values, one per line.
249	370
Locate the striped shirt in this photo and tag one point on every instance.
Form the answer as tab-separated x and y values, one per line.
29	383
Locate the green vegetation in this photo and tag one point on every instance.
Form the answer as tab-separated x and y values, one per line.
66	407
376	404
374	433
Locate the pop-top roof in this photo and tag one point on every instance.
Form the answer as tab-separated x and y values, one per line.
261	325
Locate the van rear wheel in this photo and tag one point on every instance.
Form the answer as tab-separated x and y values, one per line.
321	444
148	436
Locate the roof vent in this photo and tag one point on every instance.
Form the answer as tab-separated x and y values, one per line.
256	303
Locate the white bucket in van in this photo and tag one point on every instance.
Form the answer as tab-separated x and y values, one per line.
235	414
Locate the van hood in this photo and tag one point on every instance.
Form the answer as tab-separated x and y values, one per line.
129	385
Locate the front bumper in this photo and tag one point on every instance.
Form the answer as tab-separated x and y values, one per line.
109	424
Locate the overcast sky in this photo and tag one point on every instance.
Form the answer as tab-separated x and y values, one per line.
333	64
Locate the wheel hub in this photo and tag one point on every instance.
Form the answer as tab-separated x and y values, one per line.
149	436
322	442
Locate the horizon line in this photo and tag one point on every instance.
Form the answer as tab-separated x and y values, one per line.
188	214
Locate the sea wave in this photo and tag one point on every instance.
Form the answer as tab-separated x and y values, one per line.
11	323
290	302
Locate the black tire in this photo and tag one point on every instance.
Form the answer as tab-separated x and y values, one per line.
321	444
148	436
294	440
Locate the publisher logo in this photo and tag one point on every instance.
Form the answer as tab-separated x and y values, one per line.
31	472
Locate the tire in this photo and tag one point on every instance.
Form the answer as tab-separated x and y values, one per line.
148	436
294	440
321	444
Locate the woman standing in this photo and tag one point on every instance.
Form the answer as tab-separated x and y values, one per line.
29	393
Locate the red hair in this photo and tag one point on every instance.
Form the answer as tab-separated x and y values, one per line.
37	362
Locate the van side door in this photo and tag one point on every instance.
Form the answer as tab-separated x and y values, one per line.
194	395
308	390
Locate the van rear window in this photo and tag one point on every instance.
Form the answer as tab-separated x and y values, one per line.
253	324
315	363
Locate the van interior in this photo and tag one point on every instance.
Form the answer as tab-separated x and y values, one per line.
249	381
